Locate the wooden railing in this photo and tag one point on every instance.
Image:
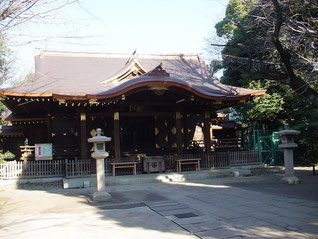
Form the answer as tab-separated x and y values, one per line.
243	157
80	168
35	169
220	145
226	144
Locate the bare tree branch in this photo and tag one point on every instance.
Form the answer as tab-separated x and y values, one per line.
294	81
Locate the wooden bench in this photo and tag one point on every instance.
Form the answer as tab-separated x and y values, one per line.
195	161
124	165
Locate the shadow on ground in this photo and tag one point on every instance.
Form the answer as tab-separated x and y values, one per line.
307	189
250	207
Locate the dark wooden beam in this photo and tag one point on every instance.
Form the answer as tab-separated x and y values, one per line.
109	114
149	103
49	129
57	114
178	132
206	131
116	135
83	136
142	114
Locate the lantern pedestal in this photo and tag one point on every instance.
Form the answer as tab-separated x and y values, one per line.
287	139
101	194
290	180
100	154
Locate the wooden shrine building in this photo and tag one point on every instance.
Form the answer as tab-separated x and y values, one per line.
148	104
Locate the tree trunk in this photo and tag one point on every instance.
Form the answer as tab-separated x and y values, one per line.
295	82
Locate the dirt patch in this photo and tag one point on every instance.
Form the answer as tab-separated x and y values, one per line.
40	186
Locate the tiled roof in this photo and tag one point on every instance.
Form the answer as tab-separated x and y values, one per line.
83	74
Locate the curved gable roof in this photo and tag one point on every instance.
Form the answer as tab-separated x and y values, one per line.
89	75
132	67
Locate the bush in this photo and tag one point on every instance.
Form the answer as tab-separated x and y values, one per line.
6	155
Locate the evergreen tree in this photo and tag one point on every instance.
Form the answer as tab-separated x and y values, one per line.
272	45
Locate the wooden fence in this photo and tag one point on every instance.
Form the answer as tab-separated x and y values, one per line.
36	169
243	158
80	168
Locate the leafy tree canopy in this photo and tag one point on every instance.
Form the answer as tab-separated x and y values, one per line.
272	45
272	40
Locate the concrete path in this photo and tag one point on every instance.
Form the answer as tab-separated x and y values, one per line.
251	207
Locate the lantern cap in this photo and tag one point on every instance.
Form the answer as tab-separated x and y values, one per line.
287	131
98	137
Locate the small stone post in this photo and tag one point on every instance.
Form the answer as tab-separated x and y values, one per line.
287	139
100	154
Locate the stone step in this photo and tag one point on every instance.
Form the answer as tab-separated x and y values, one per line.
161	178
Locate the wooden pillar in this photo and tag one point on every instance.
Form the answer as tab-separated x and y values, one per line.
207	132
116	135
83	136
49	129
178	132
186	131
211	135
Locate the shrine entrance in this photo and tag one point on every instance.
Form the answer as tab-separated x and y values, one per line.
137	134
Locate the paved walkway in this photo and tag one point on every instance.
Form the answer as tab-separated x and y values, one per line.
251	207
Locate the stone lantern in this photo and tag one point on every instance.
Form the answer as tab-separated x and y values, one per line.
287	144
100	154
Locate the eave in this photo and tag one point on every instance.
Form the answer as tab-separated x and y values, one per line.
25	94
155	79
87	97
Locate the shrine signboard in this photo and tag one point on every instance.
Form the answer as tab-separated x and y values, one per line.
43	152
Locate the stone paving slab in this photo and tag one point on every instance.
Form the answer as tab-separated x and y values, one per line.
247	237
161	202
273	209
311	204
176	211
281	204
262	215
293	200
302	216
227	214
256	214
248	222
311	229
241	209
307	210
205	226
192	220
168	207
256	203
133	223
275	231
287	211
287	222
158	204
221	233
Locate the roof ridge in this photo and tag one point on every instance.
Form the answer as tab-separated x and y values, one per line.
116	55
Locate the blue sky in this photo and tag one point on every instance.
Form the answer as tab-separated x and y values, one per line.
166	26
